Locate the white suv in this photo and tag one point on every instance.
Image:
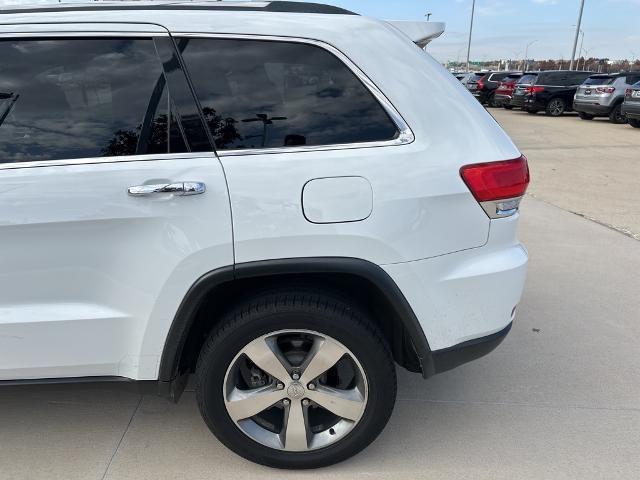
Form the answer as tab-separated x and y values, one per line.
285	198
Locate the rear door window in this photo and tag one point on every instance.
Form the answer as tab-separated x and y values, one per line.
267	94
83	98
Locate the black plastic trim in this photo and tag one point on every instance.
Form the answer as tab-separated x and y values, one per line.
452	357
138	386
277	6
170	379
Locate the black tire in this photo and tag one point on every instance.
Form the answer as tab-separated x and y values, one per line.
555	107
303	310
634	123
508	107
585	116
616	116
491	101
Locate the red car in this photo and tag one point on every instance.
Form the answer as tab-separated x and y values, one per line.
504	91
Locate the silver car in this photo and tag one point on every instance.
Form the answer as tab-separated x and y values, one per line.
631	105
602	95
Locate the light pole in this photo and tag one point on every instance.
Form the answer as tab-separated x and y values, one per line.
517	56
586	52
580	50
575	41
526	59
458	56
428	15
473	11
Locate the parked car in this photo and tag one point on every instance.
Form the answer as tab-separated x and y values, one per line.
504	92
471	82
460	76
551	91
631	105
603	95
197	188
486	87
521	89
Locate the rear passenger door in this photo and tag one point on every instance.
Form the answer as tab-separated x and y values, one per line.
112	203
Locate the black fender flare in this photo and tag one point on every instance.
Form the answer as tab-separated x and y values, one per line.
169	377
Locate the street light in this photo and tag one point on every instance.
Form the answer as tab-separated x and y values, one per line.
473	11
575	41
580	51
526	58
428	15
586	52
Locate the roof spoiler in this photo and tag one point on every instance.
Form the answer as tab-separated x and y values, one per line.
420	33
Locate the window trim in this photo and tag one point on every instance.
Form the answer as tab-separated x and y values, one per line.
405	134
85	31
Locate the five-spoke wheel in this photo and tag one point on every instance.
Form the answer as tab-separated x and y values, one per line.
295	390
296	379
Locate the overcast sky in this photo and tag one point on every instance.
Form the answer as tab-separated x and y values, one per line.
503	28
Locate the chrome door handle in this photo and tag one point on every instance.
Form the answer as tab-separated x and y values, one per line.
181	189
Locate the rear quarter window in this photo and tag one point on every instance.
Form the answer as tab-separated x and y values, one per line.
528	79
267	94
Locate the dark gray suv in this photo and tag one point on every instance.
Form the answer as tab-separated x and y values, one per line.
631	105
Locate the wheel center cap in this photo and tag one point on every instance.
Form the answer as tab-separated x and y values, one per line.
295	391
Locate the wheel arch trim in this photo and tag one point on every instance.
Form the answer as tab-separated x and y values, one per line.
169	376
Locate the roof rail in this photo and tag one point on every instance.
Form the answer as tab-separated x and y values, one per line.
266	6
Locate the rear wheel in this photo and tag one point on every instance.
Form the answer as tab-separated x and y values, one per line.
634	123
585	116
296	380
491	101
616	115
556	107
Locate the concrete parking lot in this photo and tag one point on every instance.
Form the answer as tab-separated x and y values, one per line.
559	399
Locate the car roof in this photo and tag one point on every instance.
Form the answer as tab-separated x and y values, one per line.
246	6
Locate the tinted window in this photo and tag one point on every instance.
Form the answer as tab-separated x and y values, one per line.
552	78
512	78
599	81
527	79
577	78
496	77
258	94
474	77
75	98
631	79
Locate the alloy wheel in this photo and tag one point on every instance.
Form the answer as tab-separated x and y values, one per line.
295	390
556	107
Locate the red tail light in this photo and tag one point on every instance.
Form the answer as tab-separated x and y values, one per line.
605	89
534	89
480	85
497	180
